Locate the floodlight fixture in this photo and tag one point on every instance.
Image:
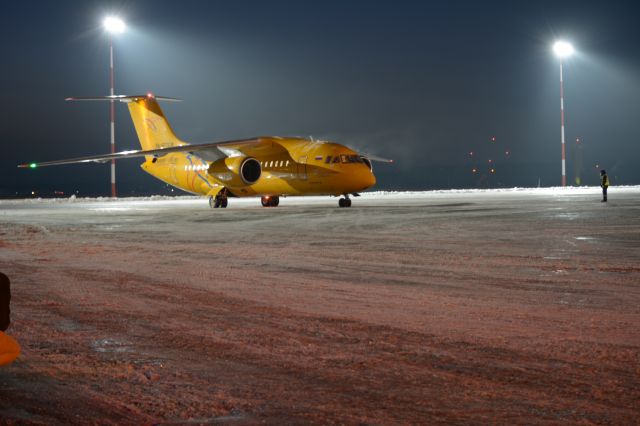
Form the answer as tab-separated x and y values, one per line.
114	25
562	49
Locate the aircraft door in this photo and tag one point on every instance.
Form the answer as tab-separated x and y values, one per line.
302	168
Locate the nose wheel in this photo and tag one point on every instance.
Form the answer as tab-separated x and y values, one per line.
344	202
270	201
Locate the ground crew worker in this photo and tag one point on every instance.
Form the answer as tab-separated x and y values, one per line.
9	348
604	183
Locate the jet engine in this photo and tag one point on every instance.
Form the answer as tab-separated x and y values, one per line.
235	172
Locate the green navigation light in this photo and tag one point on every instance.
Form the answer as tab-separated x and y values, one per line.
33	165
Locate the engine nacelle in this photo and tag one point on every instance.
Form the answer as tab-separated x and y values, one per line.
236	172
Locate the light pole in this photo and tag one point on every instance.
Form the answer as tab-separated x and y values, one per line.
113	25
562	49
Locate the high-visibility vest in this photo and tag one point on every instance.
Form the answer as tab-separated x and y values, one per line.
604	180
9	349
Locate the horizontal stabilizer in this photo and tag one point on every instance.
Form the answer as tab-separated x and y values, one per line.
123	98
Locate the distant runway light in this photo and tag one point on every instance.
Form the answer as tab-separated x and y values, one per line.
114	24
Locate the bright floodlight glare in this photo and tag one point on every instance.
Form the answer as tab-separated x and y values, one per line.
562	49
113	24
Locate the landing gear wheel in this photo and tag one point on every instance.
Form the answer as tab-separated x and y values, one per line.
220	200
270	201
344	202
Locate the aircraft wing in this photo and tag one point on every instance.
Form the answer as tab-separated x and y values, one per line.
207	151
376	158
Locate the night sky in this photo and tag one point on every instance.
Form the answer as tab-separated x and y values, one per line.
422	82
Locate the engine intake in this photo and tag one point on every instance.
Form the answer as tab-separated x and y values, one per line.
236	172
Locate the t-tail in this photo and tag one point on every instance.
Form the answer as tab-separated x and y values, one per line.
152	127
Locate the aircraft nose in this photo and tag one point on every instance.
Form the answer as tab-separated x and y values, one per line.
368	179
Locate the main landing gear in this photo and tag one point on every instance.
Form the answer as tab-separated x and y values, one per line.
270	200
344	202
220	200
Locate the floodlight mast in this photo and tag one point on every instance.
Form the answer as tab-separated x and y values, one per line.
562	49
113	25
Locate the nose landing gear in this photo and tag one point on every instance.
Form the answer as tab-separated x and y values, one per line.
270	200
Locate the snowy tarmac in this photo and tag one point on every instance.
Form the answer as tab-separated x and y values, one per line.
496	306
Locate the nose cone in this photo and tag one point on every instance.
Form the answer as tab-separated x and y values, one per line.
372	180
367	179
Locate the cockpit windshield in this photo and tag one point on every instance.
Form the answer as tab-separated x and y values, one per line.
347	159
344	159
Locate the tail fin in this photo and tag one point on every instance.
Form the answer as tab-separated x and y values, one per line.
151	125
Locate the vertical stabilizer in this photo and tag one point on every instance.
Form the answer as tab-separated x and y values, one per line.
152	127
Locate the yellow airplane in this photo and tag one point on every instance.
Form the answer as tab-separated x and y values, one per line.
268	166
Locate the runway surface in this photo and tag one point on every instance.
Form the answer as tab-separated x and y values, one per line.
452	307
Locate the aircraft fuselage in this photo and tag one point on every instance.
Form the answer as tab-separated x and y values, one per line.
288	166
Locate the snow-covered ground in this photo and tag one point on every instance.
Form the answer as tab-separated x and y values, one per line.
465	306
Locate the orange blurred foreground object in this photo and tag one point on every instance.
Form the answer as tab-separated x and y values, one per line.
9	349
